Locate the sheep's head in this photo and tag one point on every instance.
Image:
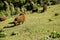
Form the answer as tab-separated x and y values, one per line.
23	13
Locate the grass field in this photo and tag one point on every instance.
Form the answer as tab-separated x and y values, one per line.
36	25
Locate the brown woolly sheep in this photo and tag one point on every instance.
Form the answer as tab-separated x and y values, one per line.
44	8
19	19
3	18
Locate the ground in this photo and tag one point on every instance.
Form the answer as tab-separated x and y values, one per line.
36	25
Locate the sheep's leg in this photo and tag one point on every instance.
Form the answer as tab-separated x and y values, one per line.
18	23
15	23
22	22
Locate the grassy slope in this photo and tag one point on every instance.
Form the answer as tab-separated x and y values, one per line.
36	25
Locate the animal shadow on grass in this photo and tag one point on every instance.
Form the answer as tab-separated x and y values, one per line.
10	23
9	26
42	11
50	20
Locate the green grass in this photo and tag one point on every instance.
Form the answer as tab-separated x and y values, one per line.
35	27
